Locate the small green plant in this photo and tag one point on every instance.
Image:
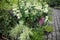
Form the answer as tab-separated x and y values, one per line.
48	28
38	34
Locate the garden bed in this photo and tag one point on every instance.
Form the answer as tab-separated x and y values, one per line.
26	20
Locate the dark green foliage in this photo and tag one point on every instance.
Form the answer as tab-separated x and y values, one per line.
6	22
53	3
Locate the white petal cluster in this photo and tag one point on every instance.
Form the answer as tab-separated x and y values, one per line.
26	12
19	15
46	18
28	4
34	12
45	10
46	5
16	11
38	7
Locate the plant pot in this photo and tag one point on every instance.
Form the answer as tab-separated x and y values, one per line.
46	33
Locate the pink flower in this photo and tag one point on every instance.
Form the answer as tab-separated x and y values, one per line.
41	21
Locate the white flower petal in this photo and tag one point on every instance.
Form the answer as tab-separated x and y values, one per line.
38	7
46	18
45	10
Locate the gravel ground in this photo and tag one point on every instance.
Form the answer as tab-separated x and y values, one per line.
55	35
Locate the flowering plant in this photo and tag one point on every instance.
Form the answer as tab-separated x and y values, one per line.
32	14
31	11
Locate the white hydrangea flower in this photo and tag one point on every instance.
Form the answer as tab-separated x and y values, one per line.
38	7
46	5
17	10
45	10
14	9
14	12
19	15
26	12
34	12
46	18
28	4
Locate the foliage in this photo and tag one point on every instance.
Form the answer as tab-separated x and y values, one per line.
21	32
53	3
38	34
6	22
21	19
3	4
30	12
6	4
